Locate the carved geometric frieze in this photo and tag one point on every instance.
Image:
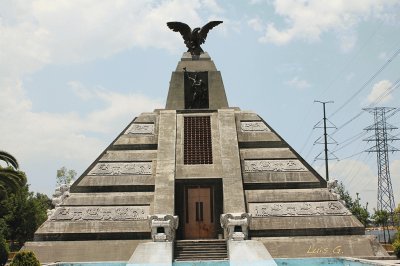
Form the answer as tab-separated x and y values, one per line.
253	126
273	166
137	128
298	209
100	213
133	168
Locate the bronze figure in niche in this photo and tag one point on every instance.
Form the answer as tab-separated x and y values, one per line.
196	90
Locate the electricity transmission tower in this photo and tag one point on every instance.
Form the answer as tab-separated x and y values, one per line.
326	136
381	138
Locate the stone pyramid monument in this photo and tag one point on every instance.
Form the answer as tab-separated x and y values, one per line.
199	169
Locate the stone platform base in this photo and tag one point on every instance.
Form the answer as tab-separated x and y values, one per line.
359	246
97	250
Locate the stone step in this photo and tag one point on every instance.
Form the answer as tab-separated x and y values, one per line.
191	250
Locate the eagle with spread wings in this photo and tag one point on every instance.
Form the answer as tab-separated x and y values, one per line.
193	38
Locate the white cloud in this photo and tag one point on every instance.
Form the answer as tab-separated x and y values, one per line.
383	56
308	20
380	92
41	32
67	133
255	24
357	177
298	83
39	137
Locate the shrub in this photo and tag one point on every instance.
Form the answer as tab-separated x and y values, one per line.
396	246
4	251
25	258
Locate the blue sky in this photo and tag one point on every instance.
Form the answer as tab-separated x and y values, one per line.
73	74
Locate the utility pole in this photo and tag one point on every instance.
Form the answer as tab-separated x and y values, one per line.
382	148
325	139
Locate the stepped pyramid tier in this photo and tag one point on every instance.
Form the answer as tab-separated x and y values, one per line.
199	169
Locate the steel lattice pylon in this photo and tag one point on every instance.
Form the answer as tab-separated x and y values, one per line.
382	148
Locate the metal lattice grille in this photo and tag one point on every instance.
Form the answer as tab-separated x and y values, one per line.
197	140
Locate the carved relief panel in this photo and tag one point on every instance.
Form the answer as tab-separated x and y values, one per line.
100	213
253	126
298	209
131	168
141	128
273	166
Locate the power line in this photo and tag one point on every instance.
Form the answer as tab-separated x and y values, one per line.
382	148
325	139
367	82
372	104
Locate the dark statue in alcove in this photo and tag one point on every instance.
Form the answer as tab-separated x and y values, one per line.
196	89
193	39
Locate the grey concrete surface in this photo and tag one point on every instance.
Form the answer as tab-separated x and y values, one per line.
288	195
322	246
129	155
164	192
343	224
117	180
267	153
84	251
94	227
109	199
249	252
231	170
152	254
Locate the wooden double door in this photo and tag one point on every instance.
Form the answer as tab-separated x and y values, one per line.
199	212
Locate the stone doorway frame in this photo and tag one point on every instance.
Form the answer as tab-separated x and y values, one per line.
181	200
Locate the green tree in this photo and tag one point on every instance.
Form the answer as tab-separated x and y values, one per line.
345	195
65	176
25	258
4	251
23	213
360	212
11	179
381	217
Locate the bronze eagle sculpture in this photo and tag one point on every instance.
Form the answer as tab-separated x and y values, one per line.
193	38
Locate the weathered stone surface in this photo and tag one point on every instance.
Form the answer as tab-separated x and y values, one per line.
251	166
84	251
114	168
94	227
272	223
147	117
310	208
249	252
279	177
267	153
246	116
164	192
322	246
231	170
137	139
100	213
117	180
288	195
113	198
129	155
257	137
153	253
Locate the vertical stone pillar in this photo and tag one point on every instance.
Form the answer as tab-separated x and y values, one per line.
164	190
230	159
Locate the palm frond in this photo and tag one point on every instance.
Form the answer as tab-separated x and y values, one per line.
9	159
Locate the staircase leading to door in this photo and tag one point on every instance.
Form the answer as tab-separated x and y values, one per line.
193	250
